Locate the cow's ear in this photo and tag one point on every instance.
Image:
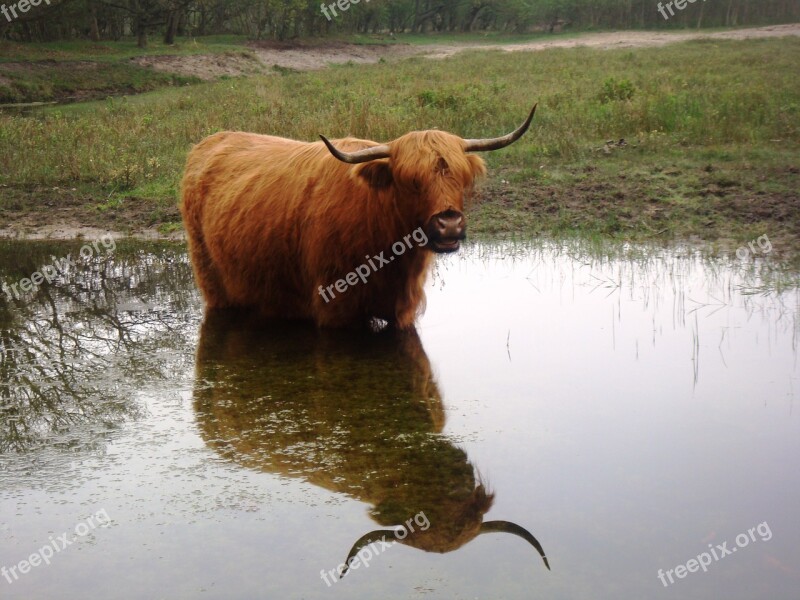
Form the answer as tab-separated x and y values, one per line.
376	173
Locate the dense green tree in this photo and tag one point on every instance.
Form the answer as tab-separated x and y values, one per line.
286	19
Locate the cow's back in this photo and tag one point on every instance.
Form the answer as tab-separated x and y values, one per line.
239	206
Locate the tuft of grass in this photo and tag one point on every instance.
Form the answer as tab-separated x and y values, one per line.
614	90
170	228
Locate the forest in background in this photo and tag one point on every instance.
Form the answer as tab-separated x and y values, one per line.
98	20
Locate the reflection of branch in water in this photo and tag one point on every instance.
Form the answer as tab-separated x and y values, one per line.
353	412
69	355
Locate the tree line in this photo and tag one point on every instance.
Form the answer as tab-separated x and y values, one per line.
51	20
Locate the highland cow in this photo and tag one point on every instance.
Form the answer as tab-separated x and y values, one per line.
272	221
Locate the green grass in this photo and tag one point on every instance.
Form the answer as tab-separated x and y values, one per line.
42	82
71	70
108	51
712	131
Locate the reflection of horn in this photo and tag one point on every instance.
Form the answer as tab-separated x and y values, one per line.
365	540
508	527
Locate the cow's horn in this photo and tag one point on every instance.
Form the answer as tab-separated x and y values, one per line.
508	527
359	156
364	540
501	142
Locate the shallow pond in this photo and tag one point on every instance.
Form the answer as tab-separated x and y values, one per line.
628	410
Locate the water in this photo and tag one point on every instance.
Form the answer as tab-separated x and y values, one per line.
630	408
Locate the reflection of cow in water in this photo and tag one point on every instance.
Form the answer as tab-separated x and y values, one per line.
353	413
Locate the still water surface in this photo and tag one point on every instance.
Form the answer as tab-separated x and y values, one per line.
627	408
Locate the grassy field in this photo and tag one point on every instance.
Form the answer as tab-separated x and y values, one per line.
69	71
84	70
711	130
115	51
217	44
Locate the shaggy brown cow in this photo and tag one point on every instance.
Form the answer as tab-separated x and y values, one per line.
274	223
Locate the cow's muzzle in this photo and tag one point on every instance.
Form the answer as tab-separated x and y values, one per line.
445	231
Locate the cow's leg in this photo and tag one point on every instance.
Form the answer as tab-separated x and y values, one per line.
207	275
405	318
409	305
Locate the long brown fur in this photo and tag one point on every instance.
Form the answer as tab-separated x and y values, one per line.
269	220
